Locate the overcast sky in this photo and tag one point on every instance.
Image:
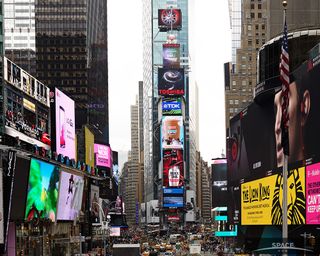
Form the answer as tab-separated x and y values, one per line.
211	43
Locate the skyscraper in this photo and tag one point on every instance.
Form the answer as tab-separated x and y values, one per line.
19	33
152	59
239	91
71	44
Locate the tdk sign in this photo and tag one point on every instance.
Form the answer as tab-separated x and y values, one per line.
171	107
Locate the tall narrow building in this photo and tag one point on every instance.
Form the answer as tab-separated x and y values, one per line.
72	55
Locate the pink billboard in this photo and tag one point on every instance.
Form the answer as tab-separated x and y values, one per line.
65	125
313	194
103	155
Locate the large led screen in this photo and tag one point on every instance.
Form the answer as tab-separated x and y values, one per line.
173	201
313	194
171	55
261	200
65	125
42	195
70	196
94	203
89	146
172	132
173	168
103	155
169	19
171	81
171	106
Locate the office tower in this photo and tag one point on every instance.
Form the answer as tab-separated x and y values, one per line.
132	189
155	37
71	45
19	33
239	90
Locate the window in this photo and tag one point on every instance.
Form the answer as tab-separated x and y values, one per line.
263	26
244	83
259	15
231	110
252	15
259	6
234	83
257	26
231	102
236	102
257	41
250	42
252	6
249	27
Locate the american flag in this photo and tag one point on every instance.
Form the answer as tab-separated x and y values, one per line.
284	77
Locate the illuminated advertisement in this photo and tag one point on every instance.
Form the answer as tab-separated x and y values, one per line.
42	195
103	155
261	200
169	19
171	55
26	83
178	191
313	194
94	203
171	106
172	132
173	168
65	125
173	201
171	81
70	196
89	146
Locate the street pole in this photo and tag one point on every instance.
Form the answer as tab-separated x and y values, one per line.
80	242
284	174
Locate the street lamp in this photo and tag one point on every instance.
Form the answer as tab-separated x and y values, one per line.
104	225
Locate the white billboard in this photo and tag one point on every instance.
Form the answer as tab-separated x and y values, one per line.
153	212
190	201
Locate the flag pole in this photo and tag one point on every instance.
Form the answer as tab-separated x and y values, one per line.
284	172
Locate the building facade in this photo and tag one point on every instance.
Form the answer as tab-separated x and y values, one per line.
239	90
153	40
71	45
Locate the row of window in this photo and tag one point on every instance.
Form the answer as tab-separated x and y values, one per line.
263	27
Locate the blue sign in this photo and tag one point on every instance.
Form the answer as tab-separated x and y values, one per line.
173	191
173	201
171	106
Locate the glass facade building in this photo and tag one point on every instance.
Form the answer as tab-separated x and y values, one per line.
71	44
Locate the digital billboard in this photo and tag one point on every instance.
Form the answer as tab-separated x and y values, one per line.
20	188
173	168
261	200
173	201
170	81
65	125
172	136
103	155
313	194
177	191
42	194
219	182
89	146
70	196
169	19
171	55
171	106
94	203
